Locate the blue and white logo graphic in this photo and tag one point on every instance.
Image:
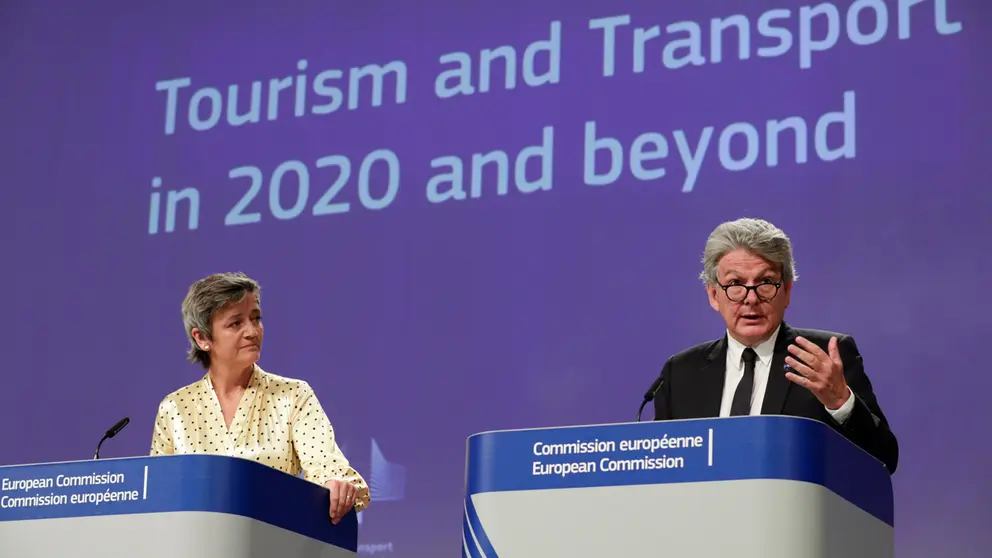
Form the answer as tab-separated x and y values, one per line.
388	479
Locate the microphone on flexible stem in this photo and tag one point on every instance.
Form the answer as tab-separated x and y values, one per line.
114	430
649	396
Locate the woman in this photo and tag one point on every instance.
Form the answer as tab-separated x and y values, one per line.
238	409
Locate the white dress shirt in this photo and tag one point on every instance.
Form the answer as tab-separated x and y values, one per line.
762	367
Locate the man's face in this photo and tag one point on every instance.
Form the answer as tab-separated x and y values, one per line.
749	319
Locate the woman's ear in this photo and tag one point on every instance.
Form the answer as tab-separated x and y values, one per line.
201	339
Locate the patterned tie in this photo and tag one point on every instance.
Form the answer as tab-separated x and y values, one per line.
742	397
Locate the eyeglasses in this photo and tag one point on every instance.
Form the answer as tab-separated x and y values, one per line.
766	291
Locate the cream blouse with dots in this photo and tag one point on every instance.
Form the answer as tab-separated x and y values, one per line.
279	422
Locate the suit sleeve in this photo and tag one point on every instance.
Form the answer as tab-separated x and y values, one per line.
867	426
663	399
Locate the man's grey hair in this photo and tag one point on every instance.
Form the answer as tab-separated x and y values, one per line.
204	298
754	235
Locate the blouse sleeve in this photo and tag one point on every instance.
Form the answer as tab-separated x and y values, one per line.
315	447
162	435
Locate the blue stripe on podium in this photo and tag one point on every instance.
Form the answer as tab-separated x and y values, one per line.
759	447
192	483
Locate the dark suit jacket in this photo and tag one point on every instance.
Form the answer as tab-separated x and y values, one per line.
693	388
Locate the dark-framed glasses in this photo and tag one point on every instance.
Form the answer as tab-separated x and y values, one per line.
766	291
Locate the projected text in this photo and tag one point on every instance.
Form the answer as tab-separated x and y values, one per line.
204	108
600	149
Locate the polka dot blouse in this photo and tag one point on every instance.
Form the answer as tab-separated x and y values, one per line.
279	422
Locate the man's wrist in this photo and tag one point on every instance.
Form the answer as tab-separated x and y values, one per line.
843	411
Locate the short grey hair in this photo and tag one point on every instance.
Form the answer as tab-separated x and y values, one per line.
204	298
754	235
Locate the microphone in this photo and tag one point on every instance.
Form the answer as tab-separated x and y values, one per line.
114	430
649	396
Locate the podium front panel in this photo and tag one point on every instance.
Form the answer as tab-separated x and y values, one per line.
191	506
749	487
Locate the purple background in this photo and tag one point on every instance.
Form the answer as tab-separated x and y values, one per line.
421	324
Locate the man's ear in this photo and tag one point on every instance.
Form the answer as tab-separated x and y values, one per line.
711	292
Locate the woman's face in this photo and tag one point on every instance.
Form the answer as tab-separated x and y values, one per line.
237	334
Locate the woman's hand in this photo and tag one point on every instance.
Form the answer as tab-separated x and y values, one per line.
342	499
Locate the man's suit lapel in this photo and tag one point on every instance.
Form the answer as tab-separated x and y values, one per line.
778	384
712	376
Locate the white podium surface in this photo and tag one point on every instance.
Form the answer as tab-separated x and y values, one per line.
748	487
191	506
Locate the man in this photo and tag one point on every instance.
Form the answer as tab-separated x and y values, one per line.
763	366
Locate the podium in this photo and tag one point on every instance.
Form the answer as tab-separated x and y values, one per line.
188	506
748	487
